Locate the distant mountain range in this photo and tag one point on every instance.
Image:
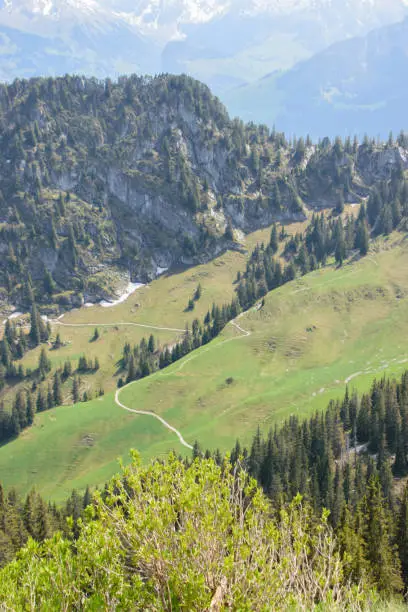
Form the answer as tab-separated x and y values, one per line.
354	87
230	45
222	43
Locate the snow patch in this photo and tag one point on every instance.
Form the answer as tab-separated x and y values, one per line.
15	315
160	271
131	288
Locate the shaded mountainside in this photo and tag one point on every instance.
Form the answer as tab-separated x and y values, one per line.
102	180
354	86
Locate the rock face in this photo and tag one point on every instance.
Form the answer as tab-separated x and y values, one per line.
102	180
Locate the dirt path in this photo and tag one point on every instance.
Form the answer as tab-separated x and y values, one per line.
245	333
57	322
154	415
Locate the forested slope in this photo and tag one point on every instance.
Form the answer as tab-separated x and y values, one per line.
101	181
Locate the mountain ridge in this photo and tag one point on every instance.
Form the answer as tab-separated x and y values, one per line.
218	44
353	87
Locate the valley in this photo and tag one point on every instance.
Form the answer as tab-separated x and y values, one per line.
312	337
203	305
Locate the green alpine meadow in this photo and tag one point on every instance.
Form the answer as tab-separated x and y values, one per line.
203	316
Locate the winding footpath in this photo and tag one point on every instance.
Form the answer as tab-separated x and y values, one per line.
167	425
160	373
154	415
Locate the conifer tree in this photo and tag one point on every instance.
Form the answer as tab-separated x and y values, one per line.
131	375
57	390
402	535
41	526
50	397
21	409
381	554
362	238
58	342
75	390
87	497
5	353
41	403
151	344
49	285
338	502
198	292
67	371
352	545
340	250
30	409
274	243
44	364
35	329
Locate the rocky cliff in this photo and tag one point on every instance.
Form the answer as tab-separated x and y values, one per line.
102	182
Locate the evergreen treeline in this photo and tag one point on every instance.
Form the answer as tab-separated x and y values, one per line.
186	536
147	357
32	517
264	272
345	460
44	394
15	343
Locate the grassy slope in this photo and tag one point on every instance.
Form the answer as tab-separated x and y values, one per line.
312	336
162	304
308	340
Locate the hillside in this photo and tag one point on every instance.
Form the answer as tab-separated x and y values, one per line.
103	182
313	336
352	87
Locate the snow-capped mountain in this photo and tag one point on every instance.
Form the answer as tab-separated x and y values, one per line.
222	42
249	39
50	37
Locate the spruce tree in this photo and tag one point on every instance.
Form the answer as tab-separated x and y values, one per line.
44	364
381	553
57	390
49	285
30	409
75	390
352	545
35	329
340	250
274	243
402	535
198	292
151	344
338	502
